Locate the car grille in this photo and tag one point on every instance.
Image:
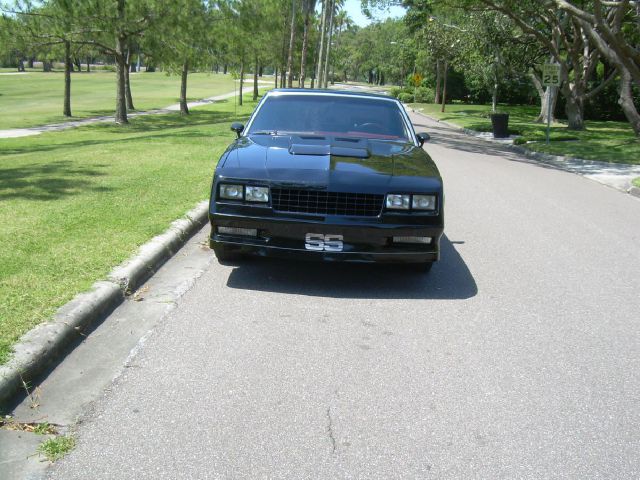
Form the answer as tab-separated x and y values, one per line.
326	203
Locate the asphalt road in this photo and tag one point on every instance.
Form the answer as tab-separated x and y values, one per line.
518	356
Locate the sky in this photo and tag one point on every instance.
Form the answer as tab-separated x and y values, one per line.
353	9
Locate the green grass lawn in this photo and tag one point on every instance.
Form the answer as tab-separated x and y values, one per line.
636	182
74	204
605	141
36	98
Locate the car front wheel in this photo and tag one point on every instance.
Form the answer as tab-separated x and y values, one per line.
224	254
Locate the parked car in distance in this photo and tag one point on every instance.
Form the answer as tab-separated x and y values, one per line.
328	175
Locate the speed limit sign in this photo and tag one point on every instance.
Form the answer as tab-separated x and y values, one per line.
551	75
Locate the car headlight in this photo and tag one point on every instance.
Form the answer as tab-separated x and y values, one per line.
398	202
257	194
231	192
423	202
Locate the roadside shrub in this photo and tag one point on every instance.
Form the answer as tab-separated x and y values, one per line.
405	97
520	141
425	95
395	91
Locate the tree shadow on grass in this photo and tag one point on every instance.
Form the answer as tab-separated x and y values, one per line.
50	181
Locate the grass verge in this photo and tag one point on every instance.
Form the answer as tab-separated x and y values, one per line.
56	448
73	204
605	141
36	98
636	182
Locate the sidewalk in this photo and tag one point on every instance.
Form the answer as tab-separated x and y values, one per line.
26	132
615	175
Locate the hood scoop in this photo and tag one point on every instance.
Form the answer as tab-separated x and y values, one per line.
335	147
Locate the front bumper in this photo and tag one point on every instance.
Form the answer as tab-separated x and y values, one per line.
362	242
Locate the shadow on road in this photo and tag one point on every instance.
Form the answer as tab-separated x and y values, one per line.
450	278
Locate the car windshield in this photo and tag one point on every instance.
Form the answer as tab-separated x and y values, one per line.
342	115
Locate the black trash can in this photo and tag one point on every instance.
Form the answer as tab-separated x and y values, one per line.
500	123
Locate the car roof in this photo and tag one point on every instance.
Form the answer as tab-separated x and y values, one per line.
330	92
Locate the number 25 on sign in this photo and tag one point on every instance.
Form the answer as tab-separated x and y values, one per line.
551	75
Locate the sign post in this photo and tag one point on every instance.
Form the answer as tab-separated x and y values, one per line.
550	78
417	81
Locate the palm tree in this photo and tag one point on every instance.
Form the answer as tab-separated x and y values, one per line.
334	7
308	6
343	21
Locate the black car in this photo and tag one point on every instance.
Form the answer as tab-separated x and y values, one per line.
328	175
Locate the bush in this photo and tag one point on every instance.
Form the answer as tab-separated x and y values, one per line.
405	97
395	91
425	95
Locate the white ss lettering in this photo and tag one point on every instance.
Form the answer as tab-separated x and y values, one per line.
319	242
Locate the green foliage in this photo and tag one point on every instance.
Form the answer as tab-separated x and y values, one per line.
412	94
636	182
405	97
57	447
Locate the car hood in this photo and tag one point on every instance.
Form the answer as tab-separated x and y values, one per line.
331	163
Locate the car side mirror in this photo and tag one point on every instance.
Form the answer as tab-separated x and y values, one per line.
237	127
423	137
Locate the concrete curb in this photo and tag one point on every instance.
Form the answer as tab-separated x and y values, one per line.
43	346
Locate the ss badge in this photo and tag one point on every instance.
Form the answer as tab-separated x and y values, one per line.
320	242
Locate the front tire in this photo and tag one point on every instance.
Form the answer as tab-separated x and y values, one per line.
224	254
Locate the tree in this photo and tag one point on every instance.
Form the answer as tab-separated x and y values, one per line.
181	41
110	26
292	44
308	6
568	43
48	26
610	26
326	6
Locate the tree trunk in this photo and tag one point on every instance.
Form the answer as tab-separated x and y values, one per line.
318	76
224	70
77	63
20	65
444	85
184	108
494	98
305	47
325	74
437	98
121	102
127	83
255	80
29	63
66	109
626	101
575	113
241	80
88	64
46	66
275	76
292	42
